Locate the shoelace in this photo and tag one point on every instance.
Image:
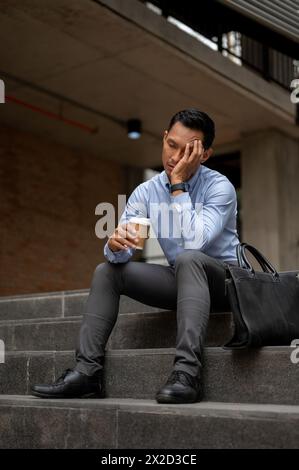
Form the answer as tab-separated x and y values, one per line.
180	376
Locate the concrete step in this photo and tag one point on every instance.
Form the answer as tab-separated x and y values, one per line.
132	331
257	376
28	422
58	304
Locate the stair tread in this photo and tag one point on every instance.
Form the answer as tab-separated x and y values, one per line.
78	318
38	295
143	351
206	408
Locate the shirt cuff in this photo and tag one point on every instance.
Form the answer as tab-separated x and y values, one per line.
181	199
120	256
109	254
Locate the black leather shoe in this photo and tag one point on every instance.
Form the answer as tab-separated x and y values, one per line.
180	387
72	384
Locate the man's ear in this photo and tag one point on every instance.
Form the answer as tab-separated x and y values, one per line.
165	135
207	154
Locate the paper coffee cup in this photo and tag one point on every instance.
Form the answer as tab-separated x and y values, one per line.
142	226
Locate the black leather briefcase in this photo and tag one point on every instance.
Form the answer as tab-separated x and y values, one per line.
264	305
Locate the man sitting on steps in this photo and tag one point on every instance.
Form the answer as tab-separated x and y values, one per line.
192	284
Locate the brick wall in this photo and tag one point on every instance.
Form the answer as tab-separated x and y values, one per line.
48	195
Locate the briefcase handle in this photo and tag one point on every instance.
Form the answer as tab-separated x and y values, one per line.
244	262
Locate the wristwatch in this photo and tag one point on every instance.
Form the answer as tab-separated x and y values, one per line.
181	186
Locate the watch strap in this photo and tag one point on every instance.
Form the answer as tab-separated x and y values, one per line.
178	186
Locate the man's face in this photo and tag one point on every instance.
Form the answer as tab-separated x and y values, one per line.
174	143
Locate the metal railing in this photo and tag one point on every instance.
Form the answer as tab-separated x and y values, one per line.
269	62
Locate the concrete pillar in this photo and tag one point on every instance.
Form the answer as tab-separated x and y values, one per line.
133	177
270	196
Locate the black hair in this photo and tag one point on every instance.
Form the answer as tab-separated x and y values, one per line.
198	120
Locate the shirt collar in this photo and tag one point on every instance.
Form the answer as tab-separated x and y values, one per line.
191	181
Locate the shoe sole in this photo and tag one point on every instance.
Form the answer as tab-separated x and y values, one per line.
174	399
88	395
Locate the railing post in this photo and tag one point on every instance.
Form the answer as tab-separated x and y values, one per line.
219	38
164	9
266	62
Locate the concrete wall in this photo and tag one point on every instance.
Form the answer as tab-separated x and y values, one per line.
48	195
270	196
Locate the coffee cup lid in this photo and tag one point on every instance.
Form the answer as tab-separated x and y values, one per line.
140	220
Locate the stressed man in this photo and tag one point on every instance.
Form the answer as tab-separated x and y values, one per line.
201	239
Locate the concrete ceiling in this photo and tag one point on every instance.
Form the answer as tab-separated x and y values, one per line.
83	61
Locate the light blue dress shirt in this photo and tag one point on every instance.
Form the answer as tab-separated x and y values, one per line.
211	202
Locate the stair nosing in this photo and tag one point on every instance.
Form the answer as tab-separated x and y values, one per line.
150	351
206	408
70	318
42	295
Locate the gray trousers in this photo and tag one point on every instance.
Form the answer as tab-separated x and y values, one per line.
193	287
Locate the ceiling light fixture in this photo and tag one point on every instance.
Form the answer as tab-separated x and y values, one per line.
134	128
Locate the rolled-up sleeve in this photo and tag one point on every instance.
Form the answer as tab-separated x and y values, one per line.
120	256
201	225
